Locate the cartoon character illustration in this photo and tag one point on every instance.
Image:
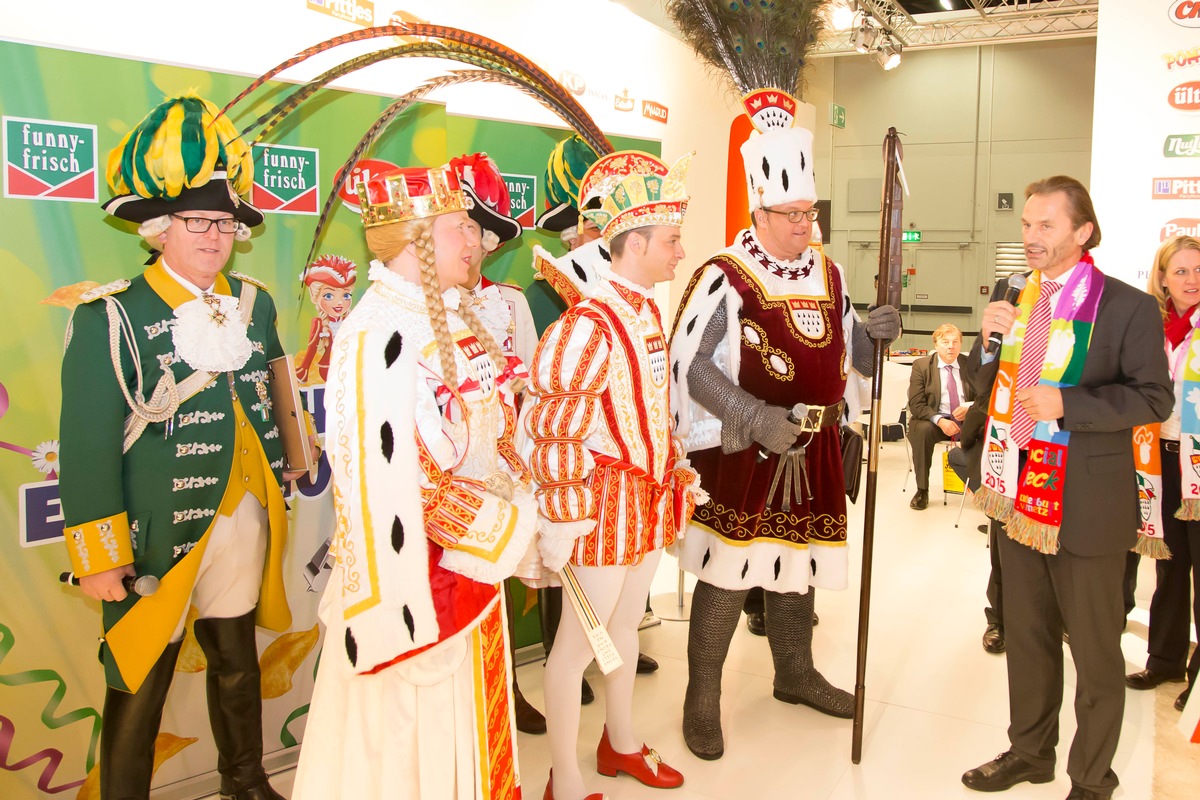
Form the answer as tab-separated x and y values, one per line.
330	282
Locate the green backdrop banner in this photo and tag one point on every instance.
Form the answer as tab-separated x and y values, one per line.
62	113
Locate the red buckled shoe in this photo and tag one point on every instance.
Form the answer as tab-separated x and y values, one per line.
549	795
647	765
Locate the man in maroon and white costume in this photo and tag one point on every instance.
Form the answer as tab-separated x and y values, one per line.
765	325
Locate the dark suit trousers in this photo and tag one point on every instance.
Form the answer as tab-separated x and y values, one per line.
994	612
1042	594
922	436
1177	593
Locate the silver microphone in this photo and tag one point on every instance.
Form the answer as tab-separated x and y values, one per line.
141	585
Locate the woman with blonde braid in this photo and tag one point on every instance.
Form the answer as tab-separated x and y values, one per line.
433	510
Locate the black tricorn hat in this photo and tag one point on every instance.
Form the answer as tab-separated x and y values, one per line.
216	195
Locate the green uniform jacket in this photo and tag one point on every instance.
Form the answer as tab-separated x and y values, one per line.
154	505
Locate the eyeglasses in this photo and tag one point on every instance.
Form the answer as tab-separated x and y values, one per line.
794	216
202	224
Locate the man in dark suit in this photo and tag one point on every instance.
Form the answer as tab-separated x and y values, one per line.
938	399
1123	382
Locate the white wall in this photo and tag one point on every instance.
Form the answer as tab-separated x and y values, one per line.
1133	120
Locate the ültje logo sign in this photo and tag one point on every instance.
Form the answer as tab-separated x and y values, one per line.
1185	96
361	171
1185	13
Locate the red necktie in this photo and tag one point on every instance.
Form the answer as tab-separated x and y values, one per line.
1033	355
952	390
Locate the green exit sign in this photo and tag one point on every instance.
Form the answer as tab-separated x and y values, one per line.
837	115
909	237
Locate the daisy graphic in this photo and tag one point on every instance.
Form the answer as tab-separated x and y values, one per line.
45	457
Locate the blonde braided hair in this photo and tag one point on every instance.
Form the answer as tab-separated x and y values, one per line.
388	241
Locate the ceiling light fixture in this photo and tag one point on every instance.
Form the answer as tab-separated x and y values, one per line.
889	54
842	14
865	37
948	5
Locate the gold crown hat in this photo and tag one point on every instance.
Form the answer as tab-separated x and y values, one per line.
410	193
634	190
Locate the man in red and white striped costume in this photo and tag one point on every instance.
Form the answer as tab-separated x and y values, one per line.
613	488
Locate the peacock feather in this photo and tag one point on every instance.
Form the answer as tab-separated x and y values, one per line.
756	44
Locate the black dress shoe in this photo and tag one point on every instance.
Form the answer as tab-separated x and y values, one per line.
1148	679
586	695
1006	771
756	623
529	719
982	528
920	500
993	639
646	664
1079	793
1181	701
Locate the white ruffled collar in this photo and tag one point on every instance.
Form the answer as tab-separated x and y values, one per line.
379	273
609	275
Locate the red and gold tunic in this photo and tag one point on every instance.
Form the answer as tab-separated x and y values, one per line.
786	344
601	427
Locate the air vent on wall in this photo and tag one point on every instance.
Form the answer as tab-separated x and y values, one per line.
1010	259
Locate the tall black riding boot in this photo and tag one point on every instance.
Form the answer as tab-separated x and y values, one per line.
235	706
715	614
129	728
789	632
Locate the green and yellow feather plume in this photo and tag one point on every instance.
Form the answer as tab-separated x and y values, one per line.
177	146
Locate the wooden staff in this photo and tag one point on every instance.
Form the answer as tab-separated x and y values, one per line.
888	294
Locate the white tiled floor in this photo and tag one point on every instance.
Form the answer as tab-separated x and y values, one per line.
936	702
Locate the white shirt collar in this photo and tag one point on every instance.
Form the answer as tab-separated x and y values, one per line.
185	283
1062	280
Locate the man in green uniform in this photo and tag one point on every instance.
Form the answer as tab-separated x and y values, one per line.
171	456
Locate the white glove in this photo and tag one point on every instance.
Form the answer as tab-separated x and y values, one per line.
556	541
555	552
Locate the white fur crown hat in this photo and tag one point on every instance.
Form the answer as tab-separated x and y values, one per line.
777	157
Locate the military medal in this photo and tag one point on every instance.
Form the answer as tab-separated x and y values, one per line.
264	399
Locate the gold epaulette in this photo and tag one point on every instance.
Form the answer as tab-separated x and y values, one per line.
243	277
105	290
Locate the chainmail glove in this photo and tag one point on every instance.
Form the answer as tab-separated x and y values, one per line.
771	428
883	324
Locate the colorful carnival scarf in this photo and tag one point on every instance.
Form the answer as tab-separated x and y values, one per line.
1031	503
1187	362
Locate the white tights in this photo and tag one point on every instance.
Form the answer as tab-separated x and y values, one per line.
619	597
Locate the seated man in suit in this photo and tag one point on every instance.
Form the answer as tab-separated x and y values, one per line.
938	399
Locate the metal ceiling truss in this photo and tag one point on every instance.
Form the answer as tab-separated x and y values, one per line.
1000	22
